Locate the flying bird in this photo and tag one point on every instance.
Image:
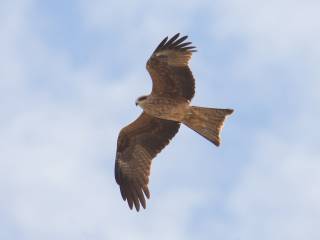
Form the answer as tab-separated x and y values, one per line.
168	105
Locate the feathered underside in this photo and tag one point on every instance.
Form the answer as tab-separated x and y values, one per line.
138	144
169	70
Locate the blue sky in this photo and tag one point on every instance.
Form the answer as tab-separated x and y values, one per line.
70	73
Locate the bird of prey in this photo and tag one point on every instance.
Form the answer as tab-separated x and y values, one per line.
164	110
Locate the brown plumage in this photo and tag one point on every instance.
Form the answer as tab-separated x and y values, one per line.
165	108
168	67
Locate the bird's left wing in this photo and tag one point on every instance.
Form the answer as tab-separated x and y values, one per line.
138	143
169	70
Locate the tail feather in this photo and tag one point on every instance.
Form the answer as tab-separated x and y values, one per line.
208	122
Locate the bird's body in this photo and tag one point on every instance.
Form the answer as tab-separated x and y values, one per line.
164	110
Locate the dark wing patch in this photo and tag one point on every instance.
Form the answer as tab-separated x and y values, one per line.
169	70
138	144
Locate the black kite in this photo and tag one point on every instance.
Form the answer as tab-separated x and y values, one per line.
165	109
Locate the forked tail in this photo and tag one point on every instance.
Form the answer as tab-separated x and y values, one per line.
208	122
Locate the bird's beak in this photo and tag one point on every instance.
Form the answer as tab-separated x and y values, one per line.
136	103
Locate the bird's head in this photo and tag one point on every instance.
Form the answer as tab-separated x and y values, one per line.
140	100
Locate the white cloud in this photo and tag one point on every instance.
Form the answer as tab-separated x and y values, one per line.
58	139
276	195
284	27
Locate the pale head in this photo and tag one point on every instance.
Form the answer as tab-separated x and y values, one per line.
141	99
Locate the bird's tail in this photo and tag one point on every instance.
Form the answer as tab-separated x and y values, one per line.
208	122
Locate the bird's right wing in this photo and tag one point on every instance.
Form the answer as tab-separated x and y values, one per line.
138	143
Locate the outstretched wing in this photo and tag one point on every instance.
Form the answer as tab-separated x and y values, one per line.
138	144
168	67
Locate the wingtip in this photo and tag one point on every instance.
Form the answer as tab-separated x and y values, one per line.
130	205
146	191
123	195
176	35
137	208
217	143
176	41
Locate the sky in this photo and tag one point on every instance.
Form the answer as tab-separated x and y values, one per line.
70	72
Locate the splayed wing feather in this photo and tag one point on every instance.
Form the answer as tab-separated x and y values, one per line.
184	44
161	44
169	43
180	40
